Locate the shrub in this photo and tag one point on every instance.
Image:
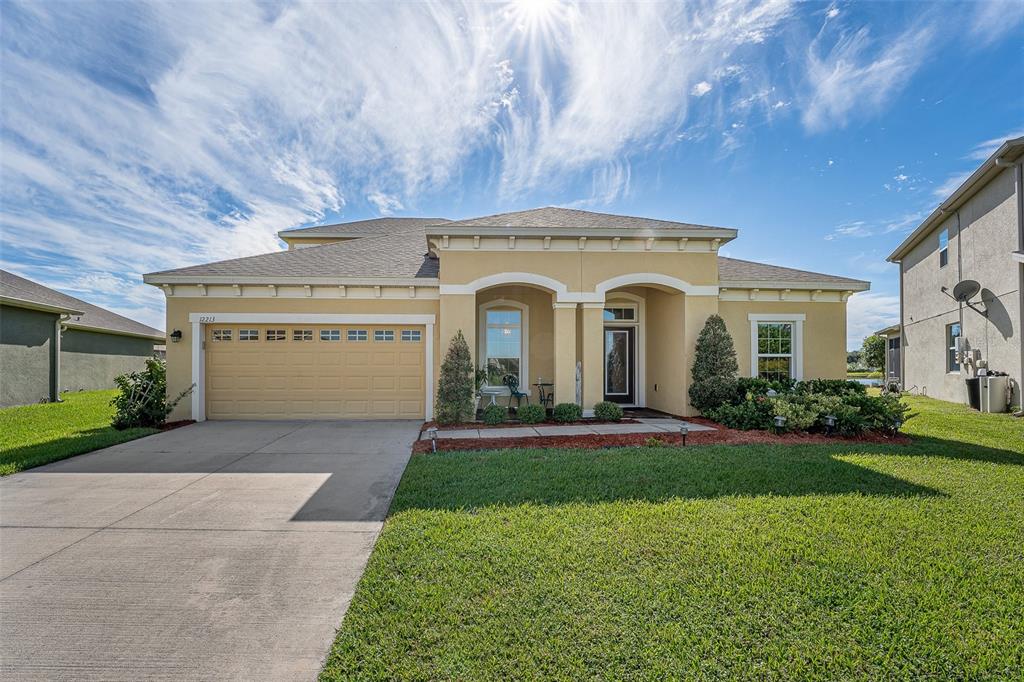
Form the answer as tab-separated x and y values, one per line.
531	414
755	386
878	412
455	390
608	411
654	442
830	387
753	414
797	409
142	398
494	414
714	366
567	412
849	421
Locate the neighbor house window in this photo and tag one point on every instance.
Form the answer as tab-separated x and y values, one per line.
302	335
943	248
330	335
248	334
221	334
503	353
357	335
775	350
384	335
952	334
277	335
410	335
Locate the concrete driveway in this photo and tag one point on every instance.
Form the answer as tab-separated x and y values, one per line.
222	550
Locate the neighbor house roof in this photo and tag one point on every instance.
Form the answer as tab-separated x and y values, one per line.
554	220
891	330
360	228
742	273
24	293
400	255
1007	154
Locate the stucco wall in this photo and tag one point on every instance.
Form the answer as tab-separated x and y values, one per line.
26	343
179	357
824	341
668	360
89	360
980	250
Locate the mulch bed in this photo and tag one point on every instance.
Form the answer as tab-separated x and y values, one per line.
517	425
722	436
170	426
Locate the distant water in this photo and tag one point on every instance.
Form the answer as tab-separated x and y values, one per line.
868	382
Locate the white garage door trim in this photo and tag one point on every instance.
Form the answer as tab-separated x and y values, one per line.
198	320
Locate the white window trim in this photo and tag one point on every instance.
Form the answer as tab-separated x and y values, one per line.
200	320
947	338
797	320
481	339
640	380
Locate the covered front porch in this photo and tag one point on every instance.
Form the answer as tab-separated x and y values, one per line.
628	344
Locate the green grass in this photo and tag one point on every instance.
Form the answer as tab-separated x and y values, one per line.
813	562
864	375
32	435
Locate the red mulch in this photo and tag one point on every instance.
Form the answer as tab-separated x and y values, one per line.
170	426
515	425
722	436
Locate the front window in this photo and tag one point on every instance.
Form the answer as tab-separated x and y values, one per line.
775	350
504	344
943	248
952	334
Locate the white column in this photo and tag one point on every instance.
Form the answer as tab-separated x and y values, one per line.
198	373
429	404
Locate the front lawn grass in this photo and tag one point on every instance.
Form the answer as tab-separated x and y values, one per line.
846	561
32	435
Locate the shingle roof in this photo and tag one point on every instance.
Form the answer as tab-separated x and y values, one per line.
401	254
84	315
571	218
733	270
362	228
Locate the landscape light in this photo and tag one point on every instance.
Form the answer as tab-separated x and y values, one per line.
683	430
432	432
780	421
830	423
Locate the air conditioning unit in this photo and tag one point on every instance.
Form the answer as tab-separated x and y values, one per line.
995	393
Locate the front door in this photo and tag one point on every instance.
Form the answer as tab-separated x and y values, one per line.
619	364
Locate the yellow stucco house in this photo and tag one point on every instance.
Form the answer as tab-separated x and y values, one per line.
352	320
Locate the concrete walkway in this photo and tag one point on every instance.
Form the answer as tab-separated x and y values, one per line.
223	550
646	425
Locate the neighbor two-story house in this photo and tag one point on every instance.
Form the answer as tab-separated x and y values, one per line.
977	236
352	321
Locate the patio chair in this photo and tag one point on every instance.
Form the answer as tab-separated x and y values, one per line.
545	398
511	382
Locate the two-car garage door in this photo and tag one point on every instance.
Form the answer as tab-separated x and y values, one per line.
260	371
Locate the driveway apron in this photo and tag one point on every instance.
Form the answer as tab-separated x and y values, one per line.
221	550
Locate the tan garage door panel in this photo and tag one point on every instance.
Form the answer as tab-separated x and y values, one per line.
314	372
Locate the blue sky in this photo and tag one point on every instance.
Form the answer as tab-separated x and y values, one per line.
142	137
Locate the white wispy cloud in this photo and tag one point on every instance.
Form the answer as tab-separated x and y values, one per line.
866	313
994	20
855	74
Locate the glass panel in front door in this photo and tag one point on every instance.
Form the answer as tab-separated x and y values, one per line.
616	362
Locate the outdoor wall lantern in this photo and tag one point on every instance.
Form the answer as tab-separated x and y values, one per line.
176	336
830	423
432	432
683	430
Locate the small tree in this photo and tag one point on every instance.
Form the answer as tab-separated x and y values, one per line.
455	391
873	352
714	366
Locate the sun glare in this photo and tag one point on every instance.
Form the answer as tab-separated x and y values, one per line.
533	15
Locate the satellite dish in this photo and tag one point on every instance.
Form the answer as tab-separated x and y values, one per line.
966	290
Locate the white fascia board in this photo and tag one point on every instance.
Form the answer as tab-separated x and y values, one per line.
309	318
41	307
723	233
115	332
813	286
430	282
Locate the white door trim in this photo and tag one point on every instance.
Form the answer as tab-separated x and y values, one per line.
640	303
200	320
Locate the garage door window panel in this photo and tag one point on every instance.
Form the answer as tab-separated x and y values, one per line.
384	335
248	334
221	334
302	335
276	335
330	335
357	335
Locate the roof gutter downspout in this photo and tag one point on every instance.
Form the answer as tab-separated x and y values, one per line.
58	329
1018	176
